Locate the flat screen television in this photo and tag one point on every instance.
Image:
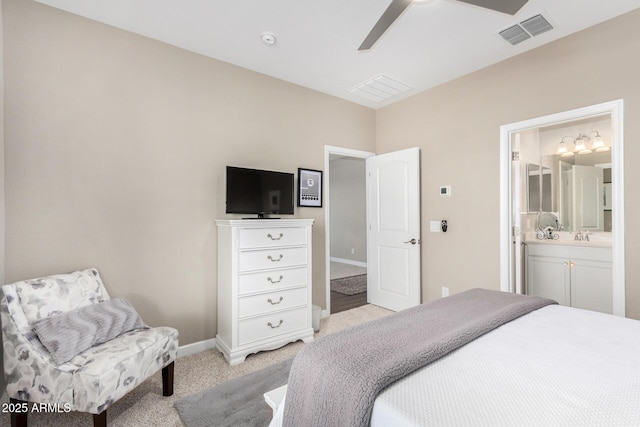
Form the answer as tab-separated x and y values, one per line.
259	192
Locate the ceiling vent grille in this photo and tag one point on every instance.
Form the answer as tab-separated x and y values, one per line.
380	88
515	34
536	25
526	29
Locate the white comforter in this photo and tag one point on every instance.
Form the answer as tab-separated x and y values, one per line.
556	366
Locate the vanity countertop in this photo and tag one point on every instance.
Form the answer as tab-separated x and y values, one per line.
596	240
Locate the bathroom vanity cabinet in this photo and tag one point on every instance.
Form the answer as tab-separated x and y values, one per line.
573	275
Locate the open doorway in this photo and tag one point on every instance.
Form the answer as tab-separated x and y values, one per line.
581	258
346	246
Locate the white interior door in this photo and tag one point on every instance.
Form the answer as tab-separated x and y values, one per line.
393	218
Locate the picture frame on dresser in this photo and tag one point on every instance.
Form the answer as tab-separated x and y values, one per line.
309	188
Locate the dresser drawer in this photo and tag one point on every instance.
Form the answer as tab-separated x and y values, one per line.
271	325
270	280
270	237
266	303
271	258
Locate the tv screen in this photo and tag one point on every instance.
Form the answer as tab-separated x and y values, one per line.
260	192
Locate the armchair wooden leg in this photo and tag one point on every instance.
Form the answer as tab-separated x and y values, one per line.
100	420
167	380
18	415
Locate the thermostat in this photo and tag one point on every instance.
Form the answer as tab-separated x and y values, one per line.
445	191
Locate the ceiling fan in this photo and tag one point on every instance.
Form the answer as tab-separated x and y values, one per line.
396	8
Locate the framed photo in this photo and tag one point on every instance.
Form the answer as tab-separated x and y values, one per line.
309	188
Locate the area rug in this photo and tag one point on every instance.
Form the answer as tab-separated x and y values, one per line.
350	285
238	402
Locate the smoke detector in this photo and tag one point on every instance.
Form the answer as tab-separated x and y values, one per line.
269	39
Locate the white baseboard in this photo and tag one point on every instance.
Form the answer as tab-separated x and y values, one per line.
196	347
349	261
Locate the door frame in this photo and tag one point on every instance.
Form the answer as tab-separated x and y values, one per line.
616	110
328	151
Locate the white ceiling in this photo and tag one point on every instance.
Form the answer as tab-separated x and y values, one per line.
432	42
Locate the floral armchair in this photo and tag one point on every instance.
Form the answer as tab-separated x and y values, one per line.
46	325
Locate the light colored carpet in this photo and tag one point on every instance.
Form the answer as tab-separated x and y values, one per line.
145	405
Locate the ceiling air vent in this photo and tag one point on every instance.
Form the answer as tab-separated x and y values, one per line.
380	88
526	29
515	34
536	25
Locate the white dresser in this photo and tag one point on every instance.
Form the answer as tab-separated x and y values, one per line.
264	285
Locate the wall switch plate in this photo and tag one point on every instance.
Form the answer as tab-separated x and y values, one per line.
445	291
434	226
445	191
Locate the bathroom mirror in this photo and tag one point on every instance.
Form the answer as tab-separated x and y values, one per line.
573	183
582	198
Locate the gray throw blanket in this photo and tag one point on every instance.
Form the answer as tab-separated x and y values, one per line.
335	380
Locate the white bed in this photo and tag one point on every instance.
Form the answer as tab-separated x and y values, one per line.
556	366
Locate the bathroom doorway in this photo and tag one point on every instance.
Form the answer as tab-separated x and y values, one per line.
521	212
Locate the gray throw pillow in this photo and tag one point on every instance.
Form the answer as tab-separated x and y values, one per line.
69	334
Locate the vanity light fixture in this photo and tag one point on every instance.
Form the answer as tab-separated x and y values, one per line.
581	145
598	143
562	147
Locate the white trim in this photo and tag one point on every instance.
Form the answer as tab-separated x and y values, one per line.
349	262
616	110
617	220
328	151
196	347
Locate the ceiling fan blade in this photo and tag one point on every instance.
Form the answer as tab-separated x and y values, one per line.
394	10
510	7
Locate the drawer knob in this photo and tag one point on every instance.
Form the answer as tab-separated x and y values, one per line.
275	238
275	303
272	259
275	281
277	326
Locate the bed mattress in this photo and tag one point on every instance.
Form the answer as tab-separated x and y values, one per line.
556	366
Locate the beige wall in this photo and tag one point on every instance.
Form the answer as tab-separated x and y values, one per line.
457	127
115	147
348	209
2	216
115	154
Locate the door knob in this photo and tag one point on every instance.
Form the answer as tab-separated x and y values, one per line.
413	241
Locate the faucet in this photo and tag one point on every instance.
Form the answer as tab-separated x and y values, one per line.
586	235
578	236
